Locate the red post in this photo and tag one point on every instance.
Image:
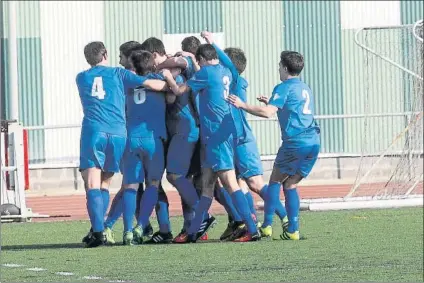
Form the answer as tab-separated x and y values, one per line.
26	159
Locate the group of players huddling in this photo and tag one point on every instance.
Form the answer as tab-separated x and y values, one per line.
187	114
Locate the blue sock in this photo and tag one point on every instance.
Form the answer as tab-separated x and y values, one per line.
202	209
106	199
271	198
293	207
162	212
279	209
115	211
129	200
188	214
147	204
228	204
250	201
95	208
242	206
187	191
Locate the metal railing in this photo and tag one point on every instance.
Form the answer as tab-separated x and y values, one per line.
58	163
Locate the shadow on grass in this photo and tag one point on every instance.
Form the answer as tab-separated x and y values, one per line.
42	247
81	245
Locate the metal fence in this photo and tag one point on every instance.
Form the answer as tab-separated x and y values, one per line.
57	154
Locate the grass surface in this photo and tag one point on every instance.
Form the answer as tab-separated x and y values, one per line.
371	245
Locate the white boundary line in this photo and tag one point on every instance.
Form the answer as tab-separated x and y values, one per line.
61	273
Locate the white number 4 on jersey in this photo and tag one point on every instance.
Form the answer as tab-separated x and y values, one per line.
97	89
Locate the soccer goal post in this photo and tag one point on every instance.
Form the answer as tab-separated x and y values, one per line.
14	174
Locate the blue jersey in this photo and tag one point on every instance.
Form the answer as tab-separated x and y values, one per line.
295	103
189	70
102	94
212	83
146	111
238	87
181	115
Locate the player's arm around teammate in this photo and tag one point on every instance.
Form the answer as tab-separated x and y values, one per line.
294	103
103	133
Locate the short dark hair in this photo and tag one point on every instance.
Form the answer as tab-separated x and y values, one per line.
129	46
293	61
94	52
143	62
237	57
190	44
207	52
153	44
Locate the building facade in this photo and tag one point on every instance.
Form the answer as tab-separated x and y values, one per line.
52	35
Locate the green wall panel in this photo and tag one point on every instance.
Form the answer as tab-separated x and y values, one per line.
30	90
411	11
27	18
131	20
313	28
193	16
255	27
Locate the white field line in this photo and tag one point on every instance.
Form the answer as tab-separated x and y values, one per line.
61	273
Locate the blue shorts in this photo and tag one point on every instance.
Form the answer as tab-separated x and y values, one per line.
247	159
144	159
218	156
297	157
180	152
101	150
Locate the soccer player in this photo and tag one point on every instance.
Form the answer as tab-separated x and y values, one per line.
293	102
156	47
145	155
116	207
216	134
103	132
182	124
247	158
186	59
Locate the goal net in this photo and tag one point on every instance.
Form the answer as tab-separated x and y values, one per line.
391	165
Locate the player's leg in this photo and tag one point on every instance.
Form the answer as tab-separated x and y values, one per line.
133	175
249	167
199	225
308	156
179	156
154	166
148	230
115	210
114	152
92	157
235	222
229	180
162	206
96	155
106	180
162	211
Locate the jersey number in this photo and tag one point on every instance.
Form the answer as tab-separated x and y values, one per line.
97	88
139	95
306	109
226	81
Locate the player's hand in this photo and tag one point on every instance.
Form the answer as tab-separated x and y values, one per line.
235	100
263	99
170	97
185	54
175	72
208	36
166	73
